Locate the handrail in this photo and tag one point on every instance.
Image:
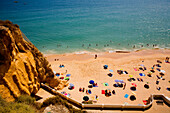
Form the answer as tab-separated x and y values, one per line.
108	106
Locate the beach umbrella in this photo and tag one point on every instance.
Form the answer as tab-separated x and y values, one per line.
105	66
117	80
91	81
68	75
72	85
54	72
130	76
85	98
121	81
58	74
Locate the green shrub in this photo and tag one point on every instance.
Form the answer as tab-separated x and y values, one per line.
26	99
14	107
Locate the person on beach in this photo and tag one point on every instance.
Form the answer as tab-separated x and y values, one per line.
167	60
95	56
124	86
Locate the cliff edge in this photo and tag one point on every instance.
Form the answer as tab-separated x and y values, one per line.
22	65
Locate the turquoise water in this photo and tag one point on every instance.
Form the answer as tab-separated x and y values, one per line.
66	26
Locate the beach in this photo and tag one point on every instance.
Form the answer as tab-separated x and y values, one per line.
84	67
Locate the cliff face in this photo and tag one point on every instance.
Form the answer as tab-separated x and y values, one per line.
22	66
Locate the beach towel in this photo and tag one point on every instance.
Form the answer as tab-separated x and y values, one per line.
62	78
135	69
67	78
68	95
103	91
134	84
105	84
65	94
141	74
126	95
130	76
111	70
162	71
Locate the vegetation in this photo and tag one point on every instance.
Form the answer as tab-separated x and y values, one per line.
26	104
58	100
15	107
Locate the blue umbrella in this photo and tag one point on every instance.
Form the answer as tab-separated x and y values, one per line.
68	75
57	74
142	65
121	81
117	80
71	84
105	65
91	81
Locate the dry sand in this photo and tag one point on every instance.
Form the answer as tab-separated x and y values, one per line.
83	67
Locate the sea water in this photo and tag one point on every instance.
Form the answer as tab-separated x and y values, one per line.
68	26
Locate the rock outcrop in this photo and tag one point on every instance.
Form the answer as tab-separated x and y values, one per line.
22	65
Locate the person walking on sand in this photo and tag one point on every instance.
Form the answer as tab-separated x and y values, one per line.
124	85
95	56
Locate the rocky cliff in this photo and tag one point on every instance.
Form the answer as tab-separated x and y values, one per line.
22	65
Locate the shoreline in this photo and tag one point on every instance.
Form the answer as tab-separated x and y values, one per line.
51	52
90	55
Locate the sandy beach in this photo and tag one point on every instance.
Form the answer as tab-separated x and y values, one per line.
84	67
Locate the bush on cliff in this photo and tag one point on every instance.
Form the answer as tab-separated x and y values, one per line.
14	107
